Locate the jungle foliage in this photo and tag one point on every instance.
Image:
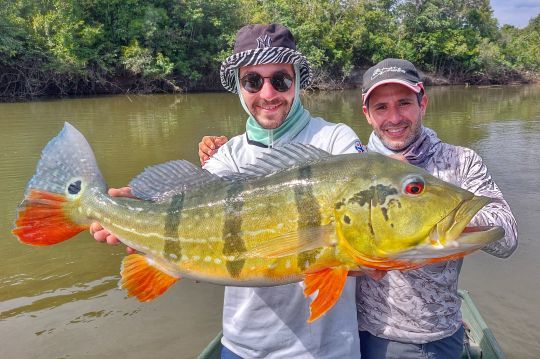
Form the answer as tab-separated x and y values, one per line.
72	47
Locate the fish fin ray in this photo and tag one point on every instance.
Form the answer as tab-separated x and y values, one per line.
43	221
163	181
329	283
284	158
292	243
144	277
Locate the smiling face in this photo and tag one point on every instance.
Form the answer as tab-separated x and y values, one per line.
268	106
395	115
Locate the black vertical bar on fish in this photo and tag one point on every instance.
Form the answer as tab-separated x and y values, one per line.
172	222
309	212
232	226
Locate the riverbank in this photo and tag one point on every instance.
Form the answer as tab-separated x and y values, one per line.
432	79
22	89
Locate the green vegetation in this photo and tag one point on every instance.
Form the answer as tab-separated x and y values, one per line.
73	47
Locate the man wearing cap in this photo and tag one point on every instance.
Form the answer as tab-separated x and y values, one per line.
267	73
416	314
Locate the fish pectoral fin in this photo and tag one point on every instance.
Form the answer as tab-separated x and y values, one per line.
330	283
144	277
292	243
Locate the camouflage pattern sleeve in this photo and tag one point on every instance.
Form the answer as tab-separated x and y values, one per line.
477	179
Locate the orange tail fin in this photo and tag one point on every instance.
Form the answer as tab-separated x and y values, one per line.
144	279
42	220
330	283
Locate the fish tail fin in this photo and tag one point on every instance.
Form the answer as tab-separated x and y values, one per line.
51	211
42	220
146	278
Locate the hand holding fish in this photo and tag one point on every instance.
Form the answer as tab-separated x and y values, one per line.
99	233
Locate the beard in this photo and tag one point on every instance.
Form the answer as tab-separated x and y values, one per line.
399	145
275	120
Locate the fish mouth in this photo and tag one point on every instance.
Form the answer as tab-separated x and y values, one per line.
454	229
452	238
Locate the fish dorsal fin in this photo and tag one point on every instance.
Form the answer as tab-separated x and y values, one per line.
160	182
283	158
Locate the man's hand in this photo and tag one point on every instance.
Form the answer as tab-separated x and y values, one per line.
209	145
102	235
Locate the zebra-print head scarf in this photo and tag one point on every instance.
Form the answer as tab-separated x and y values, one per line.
260	45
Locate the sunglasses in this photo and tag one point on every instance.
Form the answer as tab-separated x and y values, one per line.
253	82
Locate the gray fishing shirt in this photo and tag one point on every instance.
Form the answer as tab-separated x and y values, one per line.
422	305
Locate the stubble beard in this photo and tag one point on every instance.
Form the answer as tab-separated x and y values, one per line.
272	124
405	143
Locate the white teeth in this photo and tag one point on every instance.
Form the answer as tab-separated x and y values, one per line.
269	107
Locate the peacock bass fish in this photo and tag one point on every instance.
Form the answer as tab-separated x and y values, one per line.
297	214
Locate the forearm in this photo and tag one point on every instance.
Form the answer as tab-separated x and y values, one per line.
498	213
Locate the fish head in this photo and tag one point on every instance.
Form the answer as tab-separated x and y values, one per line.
403	214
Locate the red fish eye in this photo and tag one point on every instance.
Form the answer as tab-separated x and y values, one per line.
414	186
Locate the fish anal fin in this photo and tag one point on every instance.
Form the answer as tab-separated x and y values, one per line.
143	278
329	283
42	219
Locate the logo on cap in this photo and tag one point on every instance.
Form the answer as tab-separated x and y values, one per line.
379	72
265	41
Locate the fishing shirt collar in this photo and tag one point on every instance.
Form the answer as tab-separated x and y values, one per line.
417	153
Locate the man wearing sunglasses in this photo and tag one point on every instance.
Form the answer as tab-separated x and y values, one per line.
267	73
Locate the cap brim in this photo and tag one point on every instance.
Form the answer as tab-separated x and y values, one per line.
415	87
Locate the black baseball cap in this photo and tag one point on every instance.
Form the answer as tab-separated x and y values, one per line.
391	71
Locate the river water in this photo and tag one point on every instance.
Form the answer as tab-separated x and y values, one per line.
62	301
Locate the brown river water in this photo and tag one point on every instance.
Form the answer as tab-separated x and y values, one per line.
62	301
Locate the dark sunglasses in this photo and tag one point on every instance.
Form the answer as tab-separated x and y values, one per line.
253	82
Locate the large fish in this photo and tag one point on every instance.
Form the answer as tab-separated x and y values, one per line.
297	214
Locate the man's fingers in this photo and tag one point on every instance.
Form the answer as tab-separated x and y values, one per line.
121	192
101	236
209	145
112	240
220	141
209	142
95	227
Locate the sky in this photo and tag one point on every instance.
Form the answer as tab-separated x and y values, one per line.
515	12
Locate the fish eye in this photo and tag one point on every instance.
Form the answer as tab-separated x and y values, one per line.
414	186
74	187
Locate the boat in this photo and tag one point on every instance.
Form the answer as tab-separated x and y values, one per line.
479	339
